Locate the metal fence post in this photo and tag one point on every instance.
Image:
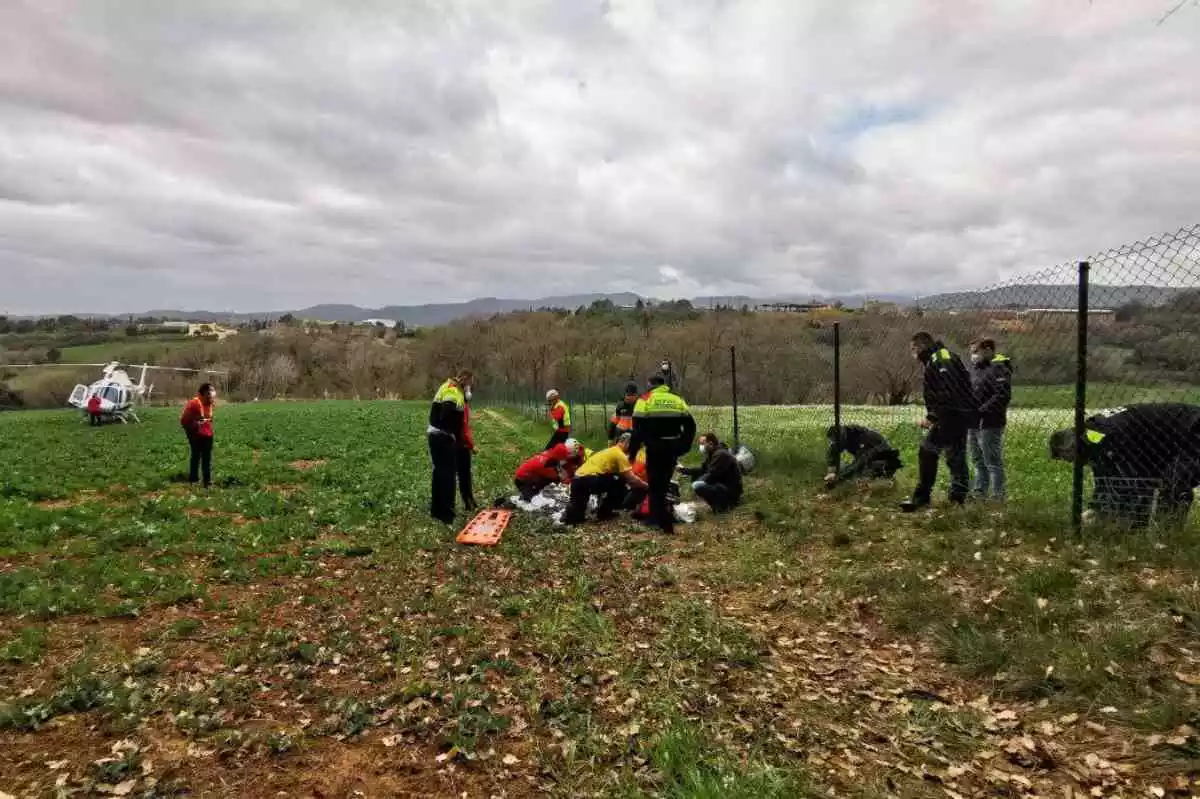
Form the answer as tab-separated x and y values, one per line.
1081	351
837	377
604	398
737	439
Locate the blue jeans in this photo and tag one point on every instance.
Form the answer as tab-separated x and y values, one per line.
987	457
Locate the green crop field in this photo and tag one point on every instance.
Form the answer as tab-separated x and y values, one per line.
304	629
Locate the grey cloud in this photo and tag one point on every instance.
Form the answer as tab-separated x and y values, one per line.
275	153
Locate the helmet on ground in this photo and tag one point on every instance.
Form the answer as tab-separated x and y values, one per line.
572	446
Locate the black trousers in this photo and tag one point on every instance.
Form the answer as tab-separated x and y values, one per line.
718	497
946	438
609	487
94	419
462	466
660	467
528	489
444	453
201	460
558	437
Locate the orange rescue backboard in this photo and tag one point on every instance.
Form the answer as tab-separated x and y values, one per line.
486	528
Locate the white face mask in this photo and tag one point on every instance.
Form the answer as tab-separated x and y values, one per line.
703	449
467	394
976	357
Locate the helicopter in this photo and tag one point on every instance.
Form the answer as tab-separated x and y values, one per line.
115	395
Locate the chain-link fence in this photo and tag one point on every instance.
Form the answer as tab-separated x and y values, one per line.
1119	330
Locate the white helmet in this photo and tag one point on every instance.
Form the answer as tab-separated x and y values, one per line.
572	446
552	394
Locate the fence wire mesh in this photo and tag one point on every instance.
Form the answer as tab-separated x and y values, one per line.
778	377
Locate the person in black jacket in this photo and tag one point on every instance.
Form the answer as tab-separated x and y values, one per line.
718	480
949	412
991	384
873	455
622	417
446	431
1136	451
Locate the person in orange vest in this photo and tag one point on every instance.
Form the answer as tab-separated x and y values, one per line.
560	418
197	423
622	417
94	411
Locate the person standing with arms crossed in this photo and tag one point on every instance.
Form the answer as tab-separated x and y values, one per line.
663	424
197	423
447	428
949	412
991	380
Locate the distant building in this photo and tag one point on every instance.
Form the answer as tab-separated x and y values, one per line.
388	323
794	307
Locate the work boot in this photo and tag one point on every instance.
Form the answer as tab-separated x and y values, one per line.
915	504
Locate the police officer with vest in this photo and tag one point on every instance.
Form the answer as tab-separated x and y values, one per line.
949	412
1135	452
663	424
446	432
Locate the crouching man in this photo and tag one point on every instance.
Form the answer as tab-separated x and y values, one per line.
873	457
555	465
608	474
718	480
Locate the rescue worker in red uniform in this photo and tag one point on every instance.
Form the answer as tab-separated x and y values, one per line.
560	418
555	465
466	451
94	411
197	423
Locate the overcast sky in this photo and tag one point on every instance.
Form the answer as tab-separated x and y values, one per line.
270	154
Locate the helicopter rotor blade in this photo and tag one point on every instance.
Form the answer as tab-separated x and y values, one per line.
48	365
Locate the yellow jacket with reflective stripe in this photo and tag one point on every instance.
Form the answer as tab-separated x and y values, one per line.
566	416
446	411
662	417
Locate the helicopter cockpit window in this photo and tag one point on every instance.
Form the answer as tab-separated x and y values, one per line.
112	394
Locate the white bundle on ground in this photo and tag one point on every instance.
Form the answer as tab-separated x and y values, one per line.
685	512
745	459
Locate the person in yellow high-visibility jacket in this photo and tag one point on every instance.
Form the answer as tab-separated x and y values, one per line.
663	424
447	432
560	418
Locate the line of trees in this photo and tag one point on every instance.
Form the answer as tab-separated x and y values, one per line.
782	358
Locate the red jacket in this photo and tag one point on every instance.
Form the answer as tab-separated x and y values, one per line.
93	405
468	438
197	418
544	465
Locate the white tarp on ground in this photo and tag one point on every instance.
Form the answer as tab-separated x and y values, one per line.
552	501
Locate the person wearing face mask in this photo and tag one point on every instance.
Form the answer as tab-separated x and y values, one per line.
446	430
949	412
991	382
197	423
718	480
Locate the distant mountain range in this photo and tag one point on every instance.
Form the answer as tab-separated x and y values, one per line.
1015	296
1049	296
443	313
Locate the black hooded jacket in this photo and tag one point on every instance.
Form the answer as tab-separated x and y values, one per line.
991	381
948	394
